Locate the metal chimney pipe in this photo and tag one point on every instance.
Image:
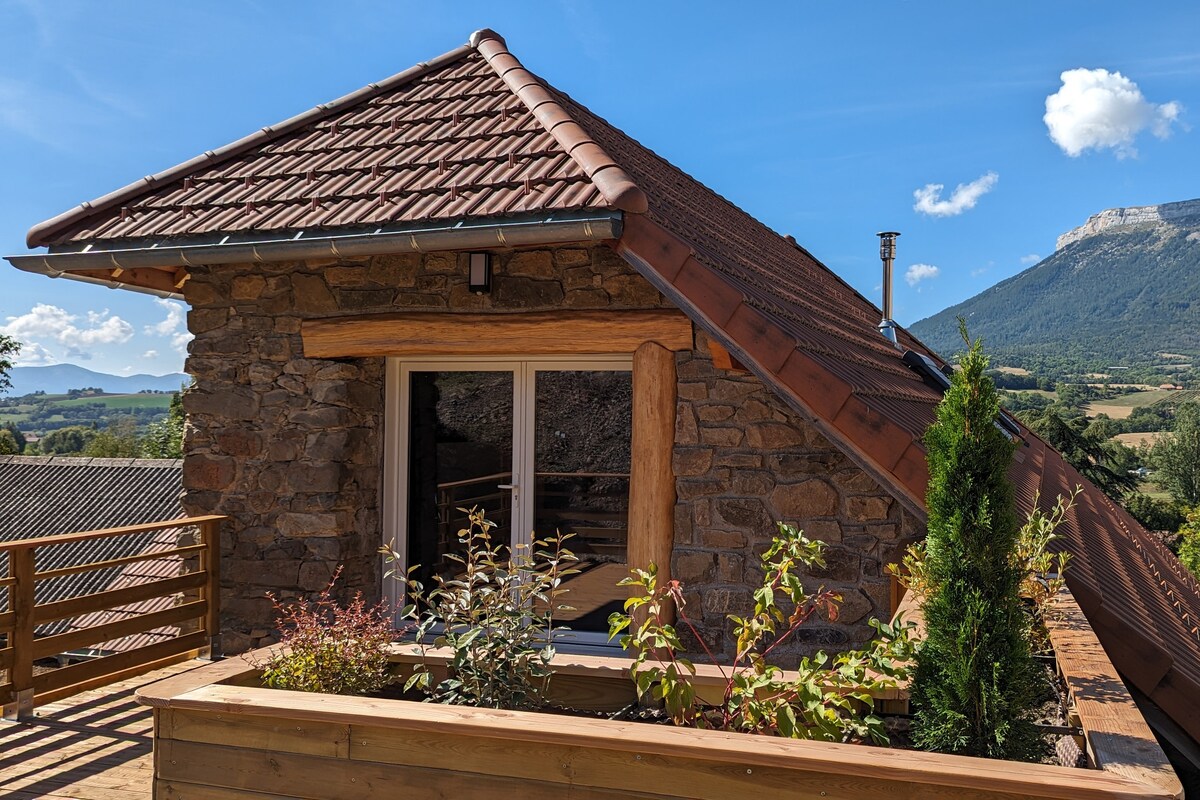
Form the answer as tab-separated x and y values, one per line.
887	253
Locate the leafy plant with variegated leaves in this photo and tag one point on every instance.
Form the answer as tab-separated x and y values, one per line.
496	615
824	699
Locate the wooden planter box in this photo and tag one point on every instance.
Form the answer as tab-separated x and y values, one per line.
219	735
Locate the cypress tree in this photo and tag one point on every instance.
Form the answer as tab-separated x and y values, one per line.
976	683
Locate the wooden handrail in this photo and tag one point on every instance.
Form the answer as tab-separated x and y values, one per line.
199	611
104	533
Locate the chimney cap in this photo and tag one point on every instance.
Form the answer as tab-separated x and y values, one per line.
888	233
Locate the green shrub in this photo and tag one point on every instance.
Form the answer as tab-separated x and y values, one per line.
1189	542
329	647
822	701
496	616
976	682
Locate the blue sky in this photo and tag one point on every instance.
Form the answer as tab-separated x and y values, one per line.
825	120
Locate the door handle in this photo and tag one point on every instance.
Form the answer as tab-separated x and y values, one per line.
512	486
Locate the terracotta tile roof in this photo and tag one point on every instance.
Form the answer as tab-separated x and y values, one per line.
455	137
473	134
48	495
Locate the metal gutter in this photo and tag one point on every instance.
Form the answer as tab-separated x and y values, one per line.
556	229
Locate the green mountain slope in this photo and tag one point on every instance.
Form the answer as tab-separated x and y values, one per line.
1122	296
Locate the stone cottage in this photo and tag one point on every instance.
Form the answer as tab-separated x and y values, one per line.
460	287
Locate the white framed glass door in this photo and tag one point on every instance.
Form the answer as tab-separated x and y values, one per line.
542	444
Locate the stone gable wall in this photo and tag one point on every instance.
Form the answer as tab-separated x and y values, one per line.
291	448
743	461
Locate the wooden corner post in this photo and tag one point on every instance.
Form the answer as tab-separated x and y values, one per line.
20	600
651	479
210	563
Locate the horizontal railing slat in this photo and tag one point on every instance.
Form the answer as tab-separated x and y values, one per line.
116	562
64	538
88	670
102	601
73	640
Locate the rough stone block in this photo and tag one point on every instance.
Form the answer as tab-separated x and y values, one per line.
531	264
208	472
691	461
868	509
301	525
802	501
248	287
721	437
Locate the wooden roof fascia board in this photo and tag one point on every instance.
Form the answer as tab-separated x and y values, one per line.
608	176
643	243
44	233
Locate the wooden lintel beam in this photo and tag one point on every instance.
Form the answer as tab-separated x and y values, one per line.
476	334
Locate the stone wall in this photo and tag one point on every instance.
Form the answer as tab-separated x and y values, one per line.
291	448
743	461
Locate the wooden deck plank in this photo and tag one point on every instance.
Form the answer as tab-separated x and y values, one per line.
92	746
1119	739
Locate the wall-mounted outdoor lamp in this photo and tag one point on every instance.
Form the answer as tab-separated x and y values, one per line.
479	276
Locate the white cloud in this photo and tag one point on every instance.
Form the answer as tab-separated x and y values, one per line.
1032	258
50	325
1095	109
963	198
169	325
150	354
921	272
179	342
34	355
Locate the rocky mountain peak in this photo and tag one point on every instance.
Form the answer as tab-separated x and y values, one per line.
1115	218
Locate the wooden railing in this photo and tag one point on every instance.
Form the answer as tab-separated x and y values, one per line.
188	603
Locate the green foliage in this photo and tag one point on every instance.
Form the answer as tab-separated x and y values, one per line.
1086	447
976	682
9	348
1154	514
496	616
823	701
67	441
164	439
1041	568
1176	457
1189	542
118	440
8	443
328	647
18	437
1117	298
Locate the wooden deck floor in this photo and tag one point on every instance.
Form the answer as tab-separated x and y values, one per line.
92	746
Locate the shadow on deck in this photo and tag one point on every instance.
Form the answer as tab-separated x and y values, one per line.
90	746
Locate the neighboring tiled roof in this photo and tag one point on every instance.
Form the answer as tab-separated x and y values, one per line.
777	309
48	495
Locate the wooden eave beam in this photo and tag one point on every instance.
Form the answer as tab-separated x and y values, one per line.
475	334
164	280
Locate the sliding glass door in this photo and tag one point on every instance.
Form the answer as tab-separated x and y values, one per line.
541	445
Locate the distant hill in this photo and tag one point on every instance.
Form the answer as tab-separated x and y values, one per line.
61	378
1122	289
